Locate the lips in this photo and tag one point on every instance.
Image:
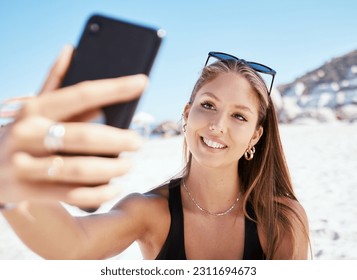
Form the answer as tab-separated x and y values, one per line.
213	144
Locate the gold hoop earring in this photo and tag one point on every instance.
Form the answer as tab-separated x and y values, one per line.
184	127
249	153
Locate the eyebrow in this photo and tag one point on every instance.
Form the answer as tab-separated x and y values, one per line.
241	107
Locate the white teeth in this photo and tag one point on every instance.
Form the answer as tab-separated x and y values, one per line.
213	144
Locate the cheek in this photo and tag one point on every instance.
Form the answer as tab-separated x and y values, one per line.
196	122
241	137
241	142
197	118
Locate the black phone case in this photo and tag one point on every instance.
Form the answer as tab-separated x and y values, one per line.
111	48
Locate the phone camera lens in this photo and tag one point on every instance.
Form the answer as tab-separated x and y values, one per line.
94	27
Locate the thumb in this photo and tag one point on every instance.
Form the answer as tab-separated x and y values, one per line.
58	70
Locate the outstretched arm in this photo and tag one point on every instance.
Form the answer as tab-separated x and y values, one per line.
51	232
34	177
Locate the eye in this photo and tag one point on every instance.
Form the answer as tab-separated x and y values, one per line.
239	117
207	105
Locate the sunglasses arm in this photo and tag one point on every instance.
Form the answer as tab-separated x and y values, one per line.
271	85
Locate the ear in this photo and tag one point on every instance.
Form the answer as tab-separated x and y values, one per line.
186	111
256	136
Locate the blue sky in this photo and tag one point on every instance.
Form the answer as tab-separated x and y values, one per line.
292	37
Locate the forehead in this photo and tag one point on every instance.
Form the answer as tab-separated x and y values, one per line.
232	88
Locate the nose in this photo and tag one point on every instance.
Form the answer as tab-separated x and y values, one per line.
218	124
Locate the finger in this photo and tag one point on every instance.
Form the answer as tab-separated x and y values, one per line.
10	108
81	196
94	114
73	170
28	135
82	97
58	70
90	138
89	197
79	138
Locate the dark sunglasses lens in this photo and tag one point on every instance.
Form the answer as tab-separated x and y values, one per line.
261	68
223	56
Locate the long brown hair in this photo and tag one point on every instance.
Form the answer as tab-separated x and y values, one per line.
266	178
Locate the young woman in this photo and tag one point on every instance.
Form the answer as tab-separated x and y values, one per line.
233	200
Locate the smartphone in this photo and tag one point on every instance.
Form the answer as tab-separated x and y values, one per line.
111	48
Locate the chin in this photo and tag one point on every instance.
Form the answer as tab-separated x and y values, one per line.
211	162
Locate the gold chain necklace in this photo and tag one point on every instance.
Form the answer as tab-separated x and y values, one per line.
205	210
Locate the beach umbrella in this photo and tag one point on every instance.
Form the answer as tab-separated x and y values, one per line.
143	118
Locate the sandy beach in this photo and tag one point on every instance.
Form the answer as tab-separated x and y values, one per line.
322	162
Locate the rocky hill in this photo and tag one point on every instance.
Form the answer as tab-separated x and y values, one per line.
328	93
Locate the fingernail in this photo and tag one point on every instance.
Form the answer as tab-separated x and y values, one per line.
141	80
66	50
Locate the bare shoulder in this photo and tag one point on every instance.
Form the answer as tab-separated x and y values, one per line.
297	209
161	192
152	198
150	212
298	237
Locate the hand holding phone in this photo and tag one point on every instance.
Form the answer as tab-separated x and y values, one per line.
111	48
30	168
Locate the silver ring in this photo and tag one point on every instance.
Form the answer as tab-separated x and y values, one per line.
54	138
56	165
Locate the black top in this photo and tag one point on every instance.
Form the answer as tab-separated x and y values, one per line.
174	246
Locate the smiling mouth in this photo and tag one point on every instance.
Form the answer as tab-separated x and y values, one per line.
213	144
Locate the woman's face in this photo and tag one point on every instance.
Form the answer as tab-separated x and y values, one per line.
221	121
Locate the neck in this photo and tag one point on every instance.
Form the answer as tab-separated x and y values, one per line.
214	189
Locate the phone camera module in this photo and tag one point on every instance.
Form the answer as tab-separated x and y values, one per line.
94	27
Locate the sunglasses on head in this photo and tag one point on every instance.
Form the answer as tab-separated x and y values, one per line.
254	65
